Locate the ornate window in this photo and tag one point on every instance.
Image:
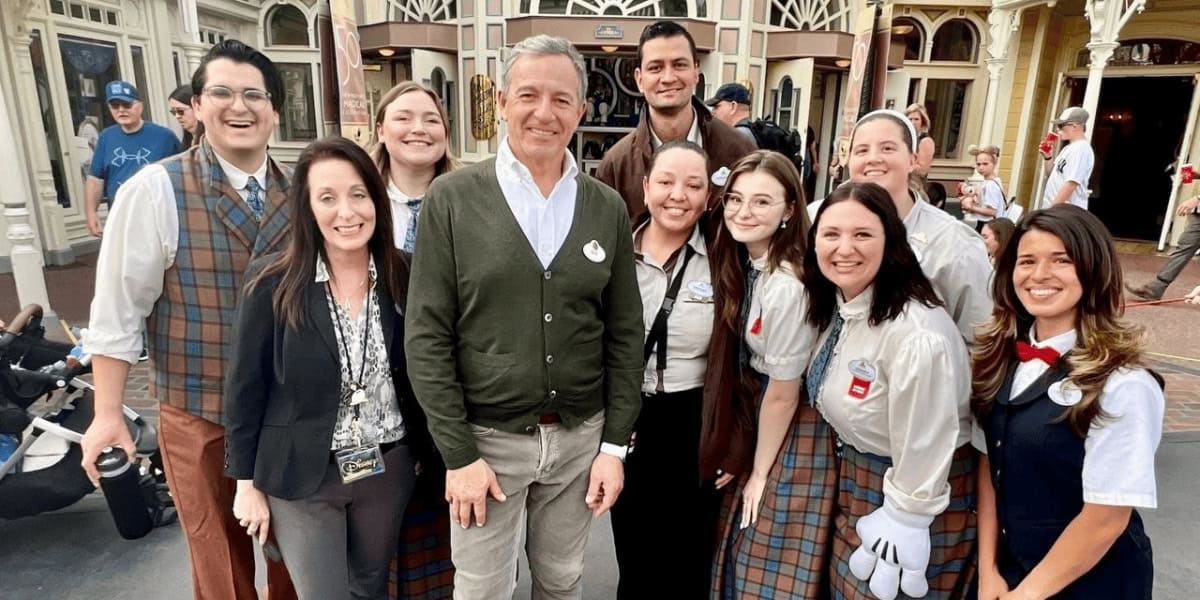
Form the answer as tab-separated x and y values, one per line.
811	15
620	8
956	40
914	41
423	10
286	26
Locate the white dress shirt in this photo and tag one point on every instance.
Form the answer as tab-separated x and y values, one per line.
1118	459
693	134
689	328
545	220
401	213
780	340
955	260
900	390
141	237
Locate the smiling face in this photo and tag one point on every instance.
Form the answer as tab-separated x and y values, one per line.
413	131
542	107
849	246
1047	283
880	154
755	206
676	190
341	206
668	75
237	132
184	114
127	114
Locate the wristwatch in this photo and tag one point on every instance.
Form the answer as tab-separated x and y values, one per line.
614	450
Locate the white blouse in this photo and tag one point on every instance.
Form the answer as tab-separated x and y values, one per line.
778	337
900	390
1118	459
689	328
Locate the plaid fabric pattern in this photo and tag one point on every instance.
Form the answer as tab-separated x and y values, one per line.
952	561
422	569
190	328
786	553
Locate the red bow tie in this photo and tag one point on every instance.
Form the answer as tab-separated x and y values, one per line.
1027	352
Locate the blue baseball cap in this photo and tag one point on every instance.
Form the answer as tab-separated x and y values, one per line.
120	90
732	92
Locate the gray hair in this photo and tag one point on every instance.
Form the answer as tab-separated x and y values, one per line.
544	45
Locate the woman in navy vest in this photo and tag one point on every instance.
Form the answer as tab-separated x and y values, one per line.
1071	421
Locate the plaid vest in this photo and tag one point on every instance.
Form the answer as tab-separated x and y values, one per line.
191	326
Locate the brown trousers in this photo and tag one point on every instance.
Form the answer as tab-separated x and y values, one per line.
193	452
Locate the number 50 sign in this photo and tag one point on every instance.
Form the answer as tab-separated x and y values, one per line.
353	108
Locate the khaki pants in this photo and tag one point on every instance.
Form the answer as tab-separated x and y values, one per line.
545	477
193	452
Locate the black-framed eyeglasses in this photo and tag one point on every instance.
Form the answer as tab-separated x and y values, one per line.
252	97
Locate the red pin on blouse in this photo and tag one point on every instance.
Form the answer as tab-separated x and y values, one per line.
756	328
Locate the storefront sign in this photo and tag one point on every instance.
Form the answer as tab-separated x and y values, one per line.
353	107
483	107
609	32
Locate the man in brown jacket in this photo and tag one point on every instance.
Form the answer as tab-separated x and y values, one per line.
667	74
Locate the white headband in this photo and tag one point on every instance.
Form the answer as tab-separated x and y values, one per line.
898	117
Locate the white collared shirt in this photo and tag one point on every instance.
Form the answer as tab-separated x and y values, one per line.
401	213
689	328
955	260
1118	459
238	178
141	237
779	338
900	390
546	221
693	134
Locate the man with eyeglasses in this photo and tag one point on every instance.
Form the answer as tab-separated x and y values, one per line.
178	242
1070	172
122	149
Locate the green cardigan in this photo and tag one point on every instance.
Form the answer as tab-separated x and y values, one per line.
496	340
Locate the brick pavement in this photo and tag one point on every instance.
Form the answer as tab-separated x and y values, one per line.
1172	330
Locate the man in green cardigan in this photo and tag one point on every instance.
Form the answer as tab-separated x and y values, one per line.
524	337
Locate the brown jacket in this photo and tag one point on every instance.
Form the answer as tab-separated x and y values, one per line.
626	163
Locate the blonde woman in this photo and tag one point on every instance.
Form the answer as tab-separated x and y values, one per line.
919	117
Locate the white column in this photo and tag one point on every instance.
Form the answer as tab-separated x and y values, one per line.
1101	52
26	258
1002	24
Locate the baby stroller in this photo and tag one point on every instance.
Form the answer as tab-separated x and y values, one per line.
44	409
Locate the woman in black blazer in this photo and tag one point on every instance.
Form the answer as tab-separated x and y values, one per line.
323	434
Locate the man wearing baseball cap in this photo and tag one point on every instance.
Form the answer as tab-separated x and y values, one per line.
731	104
122	149
1070	171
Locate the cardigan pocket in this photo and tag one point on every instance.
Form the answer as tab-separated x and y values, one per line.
482	373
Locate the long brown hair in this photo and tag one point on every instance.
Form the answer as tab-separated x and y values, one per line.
379	151
296	266
1105	343
729	257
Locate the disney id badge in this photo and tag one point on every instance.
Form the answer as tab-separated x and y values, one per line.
359	463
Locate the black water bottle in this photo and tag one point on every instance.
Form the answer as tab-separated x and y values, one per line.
119	480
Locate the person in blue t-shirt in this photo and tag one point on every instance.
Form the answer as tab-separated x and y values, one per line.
123	148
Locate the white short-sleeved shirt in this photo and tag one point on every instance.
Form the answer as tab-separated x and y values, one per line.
991	195
1118	460
900	389
778	337
689	328
1074	163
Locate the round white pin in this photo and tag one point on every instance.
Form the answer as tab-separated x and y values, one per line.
594	251
720	176
358	397
1065	393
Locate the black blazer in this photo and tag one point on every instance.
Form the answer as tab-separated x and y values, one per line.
282	388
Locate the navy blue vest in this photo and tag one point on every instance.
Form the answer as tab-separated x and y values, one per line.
1037	472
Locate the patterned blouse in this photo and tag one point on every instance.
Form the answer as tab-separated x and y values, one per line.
378	420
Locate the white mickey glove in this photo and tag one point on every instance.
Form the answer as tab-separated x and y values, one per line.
894	551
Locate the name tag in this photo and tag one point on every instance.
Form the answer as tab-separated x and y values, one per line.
862	374
359	463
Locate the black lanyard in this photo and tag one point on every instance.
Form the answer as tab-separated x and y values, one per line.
357	383
658	331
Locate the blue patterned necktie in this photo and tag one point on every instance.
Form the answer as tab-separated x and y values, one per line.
816	373
254	198
410	235
744	317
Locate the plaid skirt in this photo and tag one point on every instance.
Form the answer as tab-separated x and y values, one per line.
422	567
952	560
786	554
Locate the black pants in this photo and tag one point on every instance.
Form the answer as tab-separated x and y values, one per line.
665	521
